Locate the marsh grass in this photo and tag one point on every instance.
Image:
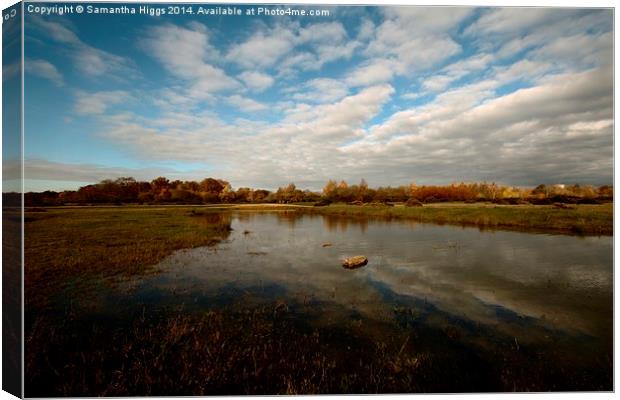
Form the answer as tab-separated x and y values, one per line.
581	220
268	349
67	249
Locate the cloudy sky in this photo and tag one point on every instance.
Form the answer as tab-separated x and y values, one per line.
390	94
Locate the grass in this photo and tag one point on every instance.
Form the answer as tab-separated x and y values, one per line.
67	249
582	220
11	300
271	350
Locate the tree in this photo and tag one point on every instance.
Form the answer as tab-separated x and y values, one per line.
243	194
288	194
146	197
211	185
541	191
343	192
191	186
159	184
227	195
329	190
362	191
259	195
606	191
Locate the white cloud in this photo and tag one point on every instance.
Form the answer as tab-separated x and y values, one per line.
263	48
428	20
11	70
327	53
321	90
526	137
366	30
418	38
95	62
373	72
179	97
559	125
256	81
295	62
245	104
279	151
508	32
87	59
275	47
36	169
167	42
323	32
97	103
577	51
444	107
57	31
522	70
437	82
512	20
44	69
408	41
350	111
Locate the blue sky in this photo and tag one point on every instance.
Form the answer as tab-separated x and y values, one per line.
395	95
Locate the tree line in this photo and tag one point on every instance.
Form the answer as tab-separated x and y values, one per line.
211	190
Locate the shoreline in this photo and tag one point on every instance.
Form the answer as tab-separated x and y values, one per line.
583	219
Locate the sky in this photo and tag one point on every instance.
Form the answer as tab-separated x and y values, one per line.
394	95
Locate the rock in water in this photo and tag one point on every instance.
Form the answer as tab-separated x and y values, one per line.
355	262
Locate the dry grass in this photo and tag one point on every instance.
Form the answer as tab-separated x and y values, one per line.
272	350
11	300
582	220
71	248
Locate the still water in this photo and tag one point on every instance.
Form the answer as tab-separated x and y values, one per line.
549	294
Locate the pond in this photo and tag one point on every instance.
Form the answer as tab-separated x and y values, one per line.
534	305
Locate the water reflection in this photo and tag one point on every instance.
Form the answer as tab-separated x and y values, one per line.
563	281
336	223
508	284
219	221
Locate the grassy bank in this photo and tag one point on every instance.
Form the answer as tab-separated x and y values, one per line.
582	220
70	248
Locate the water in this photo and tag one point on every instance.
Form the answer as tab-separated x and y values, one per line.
490	291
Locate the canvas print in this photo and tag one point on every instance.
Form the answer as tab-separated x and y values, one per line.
247	199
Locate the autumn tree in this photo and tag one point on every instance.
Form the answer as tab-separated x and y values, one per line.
362	191
243	195
329	190
211	185
259	195
227	195
606	191
159	184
